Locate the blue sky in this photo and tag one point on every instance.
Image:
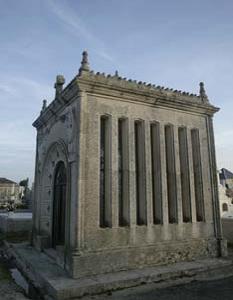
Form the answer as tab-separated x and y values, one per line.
175	44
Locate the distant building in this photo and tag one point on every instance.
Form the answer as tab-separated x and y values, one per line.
226	178
9	190
225	202
26	195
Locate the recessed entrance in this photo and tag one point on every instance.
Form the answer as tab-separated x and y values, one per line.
59	205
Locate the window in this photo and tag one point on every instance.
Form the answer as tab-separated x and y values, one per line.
198	184
184	175
105	172
123	180
140	172
171	174
156	173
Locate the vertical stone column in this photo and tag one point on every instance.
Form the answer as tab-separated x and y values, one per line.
206	177
178	179
81	180
35	225
192	191
38	185
163	175
132	179
73	205
148	174
222	244
114	171
73	156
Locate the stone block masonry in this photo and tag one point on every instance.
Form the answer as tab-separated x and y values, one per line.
125	176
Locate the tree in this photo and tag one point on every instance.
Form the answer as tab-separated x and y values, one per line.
24	183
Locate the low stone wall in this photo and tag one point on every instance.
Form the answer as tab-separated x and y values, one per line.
227	227
14	223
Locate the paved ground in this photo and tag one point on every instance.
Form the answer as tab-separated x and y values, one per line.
214	290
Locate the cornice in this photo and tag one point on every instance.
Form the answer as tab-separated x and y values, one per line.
129	90
123	88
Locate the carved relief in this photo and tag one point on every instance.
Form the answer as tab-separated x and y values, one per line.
56	153
70	122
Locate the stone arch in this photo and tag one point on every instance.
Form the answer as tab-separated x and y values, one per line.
59	205
57	152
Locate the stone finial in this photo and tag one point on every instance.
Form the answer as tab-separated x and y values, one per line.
60	80
202	93
116	73
84	63
44	105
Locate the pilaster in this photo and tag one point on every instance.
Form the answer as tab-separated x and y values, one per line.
222	249
163	175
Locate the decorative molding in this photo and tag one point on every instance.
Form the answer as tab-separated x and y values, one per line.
103	84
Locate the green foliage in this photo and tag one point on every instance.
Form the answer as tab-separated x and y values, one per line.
20	206
24	182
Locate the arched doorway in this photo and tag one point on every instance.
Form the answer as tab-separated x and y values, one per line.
59	205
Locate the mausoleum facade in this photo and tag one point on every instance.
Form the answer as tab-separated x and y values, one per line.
125	175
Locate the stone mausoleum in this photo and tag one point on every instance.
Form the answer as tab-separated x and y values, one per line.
125	175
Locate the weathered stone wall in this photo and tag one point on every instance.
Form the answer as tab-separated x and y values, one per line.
132	246
118	109
227	228
69	131
162	253
57	141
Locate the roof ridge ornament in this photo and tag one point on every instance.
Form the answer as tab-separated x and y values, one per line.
84	63
44	105
58	85
202	93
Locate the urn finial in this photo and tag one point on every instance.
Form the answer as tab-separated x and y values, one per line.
84	63
60	80
202	92
44	105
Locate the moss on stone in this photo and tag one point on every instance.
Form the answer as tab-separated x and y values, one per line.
4	272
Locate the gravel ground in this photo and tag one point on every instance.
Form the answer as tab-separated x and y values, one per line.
10	291
8	288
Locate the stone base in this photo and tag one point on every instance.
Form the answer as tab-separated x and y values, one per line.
41	242
122	259
51	280
223	247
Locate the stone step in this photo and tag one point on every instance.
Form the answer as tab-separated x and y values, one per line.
51	280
